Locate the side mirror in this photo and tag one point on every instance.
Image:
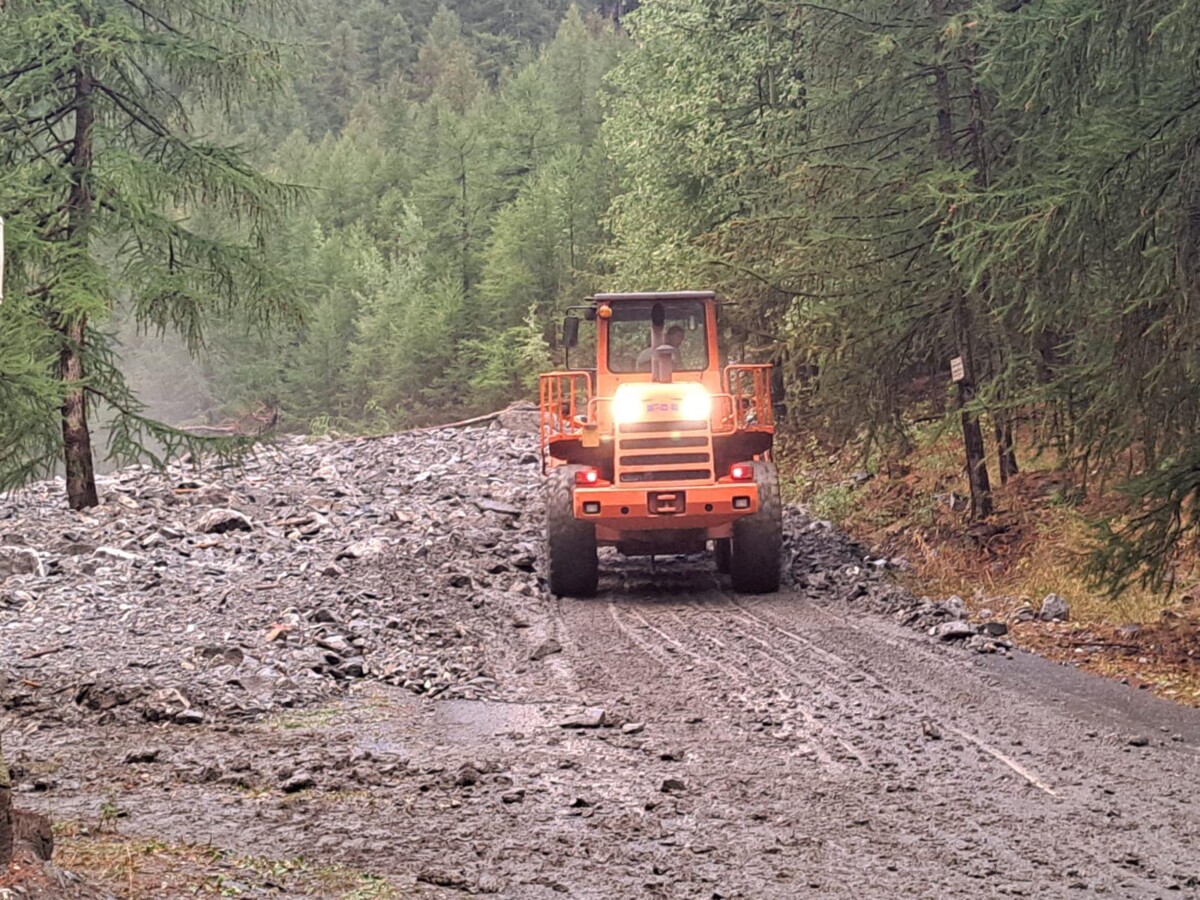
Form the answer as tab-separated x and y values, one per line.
571	331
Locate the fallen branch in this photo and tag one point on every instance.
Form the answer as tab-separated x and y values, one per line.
38	654
464	423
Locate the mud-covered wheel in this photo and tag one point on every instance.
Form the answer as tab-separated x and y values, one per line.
721	551
571	562
757	547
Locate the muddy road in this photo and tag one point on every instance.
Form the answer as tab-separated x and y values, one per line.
666	739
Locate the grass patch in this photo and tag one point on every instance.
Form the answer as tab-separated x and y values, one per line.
138	869
318	717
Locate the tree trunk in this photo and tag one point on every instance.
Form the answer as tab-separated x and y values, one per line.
6	826
77	440
1005	449
977	473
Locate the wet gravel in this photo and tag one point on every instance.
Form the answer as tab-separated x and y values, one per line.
344	653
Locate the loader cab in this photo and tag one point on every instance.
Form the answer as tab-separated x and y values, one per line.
630	328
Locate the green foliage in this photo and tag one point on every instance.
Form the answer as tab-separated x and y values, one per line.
453	214
114	196
885	186
29	396
834	503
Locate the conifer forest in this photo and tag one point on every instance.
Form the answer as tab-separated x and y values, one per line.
897	593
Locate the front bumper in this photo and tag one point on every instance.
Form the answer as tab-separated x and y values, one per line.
618	510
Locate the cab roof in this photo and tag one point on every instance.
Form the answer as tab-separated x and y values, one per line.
654	295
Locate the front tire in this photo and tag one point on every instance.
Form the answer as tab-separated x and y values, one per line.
757	549
572	564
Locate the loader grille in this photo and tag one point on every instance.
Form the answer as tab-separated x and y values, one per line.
664	452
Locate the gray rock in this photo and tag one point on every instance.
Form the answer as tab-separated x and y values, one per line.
994	629
547	648
121	556
495	506
20	561
468	776
143	755
367	549
1054	609
672	786
593	717
956	606
223	521
953	631
522	417
442	878
982	644
298	781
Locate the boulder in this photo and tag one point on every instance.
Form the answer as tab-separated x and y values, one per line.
20	561
521	416
1054	609
221	521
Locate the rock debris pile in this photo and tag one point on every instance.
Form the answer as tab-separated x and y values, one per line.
832	568
212	592
205	593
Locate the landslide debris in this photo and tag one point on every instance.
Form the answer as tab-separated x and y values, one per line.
208	593
212	592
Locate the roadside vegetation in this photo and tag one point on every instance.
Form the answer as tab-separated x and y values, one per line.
913	512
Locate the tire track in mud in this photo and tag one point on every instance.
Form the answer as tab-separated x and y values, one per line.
859	674
882	784
851	694
829	790
1068	801
738	677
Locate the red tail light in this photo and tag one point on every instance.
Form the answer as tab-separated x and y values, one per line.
587	477
741	472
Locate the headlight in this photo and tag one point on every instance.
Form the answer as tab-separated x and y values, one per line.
627	407
696	406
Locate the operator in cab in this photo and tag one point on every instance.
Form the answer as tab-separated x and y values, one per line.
674	337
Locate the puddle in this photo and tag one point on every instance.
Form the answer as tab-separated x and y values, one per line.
479	718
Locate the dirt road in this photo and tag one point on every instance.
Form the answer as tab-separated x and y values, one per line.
667	739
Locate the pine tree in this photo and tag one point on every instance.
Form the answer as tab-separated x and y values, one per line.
115	193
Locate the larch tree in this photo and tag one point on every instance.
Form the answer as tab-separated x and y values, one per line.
113	197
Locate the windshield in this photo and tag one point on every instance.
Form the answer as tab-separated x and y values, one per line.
629	335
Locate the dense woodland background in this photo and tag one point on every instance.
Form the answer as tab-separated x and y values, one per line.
880	186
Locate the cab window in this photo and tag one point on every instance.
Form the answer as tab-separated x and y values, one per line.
629	335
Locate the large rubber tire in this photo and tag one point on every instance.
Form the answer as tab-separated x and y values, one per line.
757	551
722	548
572	565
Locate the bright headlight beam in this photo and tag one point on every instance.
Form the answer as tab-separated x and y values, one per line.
695	406
627	407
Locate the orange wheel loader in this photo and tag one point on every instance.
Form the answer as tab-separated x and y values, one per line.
658	448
